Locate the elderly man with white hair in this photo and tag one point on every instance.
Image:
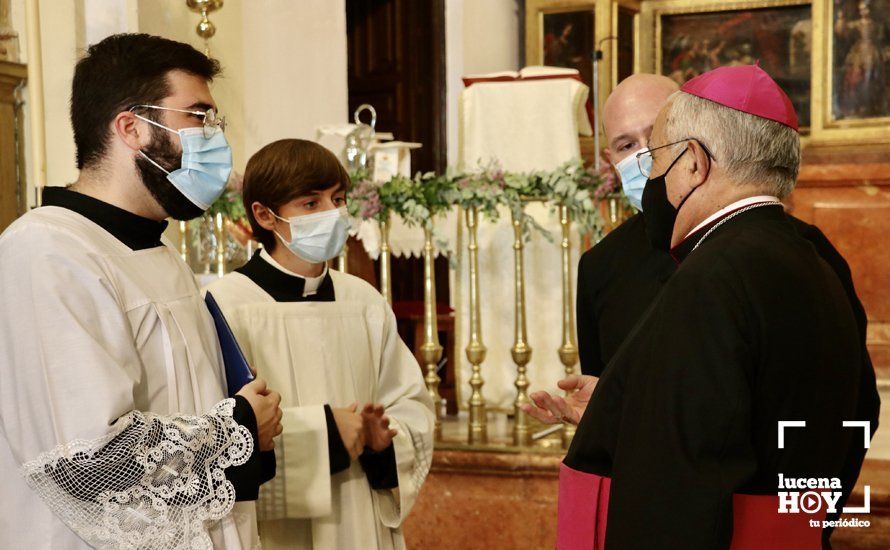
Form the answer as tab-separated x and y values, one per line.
679	446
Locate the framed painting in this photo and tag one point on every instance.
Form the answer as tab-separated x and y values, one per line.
565	33
776	34
625	32
567	37
858	63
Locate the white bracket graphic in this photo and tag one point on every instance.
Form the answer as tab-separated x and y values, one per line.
866	500
788	424
866	429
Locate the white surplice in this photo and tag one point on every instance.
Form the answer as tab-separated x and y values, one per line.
337	353
113	417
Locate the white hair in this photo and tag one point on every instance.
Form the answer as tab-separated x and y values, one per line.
752	150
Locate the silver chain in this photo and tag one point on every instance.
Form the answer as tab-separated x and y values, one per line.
731	216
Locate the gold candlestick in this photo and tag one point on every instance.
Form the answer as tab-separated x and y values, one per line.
205	29
184	241
431	350
568	351
220	246
478	432
385	262
521	352
343	258
9	39
613	211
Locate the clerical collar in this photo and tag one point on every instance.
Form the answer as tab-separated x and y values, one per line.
702	230
732	208
136	232
283	286
311	284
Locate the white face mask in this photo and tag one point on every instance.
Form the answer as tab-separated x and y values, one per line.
317	237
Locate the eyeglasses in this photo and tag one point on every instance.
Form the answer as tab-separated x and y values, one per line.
212	119
645	158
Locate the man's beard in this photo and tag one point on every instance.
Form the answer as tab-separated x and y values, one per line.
162	151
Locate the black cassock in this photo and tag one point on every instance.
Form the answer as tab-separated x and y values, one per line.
752	328
617	281
619	278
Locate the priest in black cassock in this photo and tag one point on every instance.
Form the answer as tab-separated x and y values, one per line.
753	328
620	277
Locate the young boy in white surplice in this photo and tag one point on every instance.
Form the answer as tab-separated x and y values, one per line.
358	421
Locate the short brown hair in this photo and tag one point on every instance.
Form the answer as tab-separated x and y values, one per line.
284	170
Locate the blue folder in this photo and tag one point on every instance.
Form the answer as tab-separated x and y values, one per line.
237	370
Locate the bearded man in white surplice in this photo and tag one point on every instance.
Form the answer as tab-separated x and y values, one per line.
115	430
358	420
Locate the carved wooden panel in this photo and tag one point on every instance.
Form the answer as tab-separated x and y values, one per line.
396	60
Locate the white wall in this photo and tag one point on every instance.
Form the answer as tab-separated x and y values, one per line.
59	47
283	61
171	19
490	35
295	70
66	28
454	69
481	36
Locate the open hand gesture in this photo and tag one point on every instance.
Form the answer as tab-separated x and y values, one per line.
553	409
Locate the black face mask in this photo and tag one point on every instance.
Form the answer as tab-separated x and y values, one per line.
168	196
658	212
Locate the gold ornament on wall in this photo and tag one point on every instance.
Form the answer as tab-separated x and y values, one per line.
205	29
9	39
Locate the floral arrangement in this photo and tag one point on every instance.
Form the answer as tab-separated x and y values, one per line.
420	199
434	194
364	198
484	190
573	186
609	180
229	204
417	200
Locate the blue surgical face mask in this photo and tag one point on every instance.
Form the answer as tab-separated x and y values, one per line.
632	179
317	237
206	164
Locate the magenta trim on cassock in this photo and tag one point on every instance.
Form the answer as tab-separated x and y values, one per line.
757	524
583	507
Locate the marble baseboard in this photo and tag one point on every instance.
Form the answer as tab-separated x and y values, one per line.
505	499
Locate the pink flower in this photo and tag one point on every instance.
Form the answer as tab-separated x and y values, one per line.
609	183
371	206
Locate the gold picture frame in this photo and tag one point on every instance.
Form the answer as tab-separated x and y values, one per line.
673	20
831	127
824	129
536	15
612	18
